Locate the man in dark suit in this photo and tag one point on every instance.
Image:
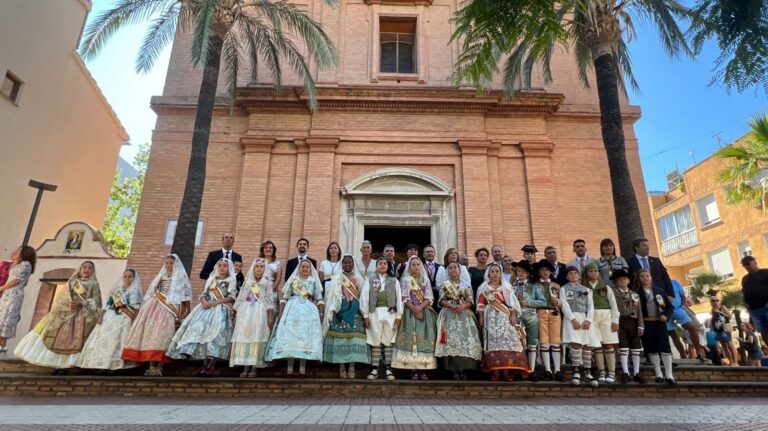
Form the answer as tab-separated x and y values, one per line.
658	271
302	245
432	267
389	254
559	274
225	252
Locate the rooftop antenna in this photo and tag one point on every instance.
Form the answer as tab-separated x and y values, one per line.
693	156
719	139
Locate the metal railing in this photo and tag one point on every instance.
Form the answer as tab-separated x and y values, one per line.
679	242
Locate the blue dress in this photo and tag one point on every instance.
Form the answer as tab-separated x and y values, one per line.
299	332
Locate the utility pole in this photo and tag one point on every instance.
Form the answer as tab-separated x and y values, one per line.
41	187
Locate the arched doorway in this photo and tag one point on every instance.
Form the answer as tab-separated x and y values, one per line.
397	204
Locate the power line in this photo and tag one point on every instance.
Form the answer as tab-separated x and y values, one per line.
703	135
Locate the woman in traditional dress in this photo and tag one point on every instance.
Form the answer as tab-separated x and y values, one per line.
255	317
508	271
415	341
207	333
344	326
56	341
366	264
22	265
165	304
451	255
458	340
498	309
103	348
331	266
274	271
299	332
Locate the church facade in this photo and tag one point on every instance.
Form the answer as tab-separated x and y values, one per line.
395	153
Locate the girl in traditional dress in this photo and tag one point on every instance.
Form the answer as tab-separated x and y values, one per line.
458	341
498	309
415	342
331	266
56	341
274	271
103	348
366	264
344	327
451	255
165	304
255	317
22	265
299	332
207	333
657	309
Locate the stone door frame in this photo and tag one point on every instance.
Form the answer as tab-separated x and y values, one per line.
397	197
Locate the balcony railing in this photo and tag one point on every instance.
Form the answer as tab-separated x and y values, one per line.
679	242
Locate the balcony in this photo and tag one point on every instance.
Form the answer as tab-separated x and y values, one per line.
679	242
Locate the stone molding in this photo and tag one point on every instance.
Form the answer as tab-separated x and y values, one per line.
476	146
257	145
401	2
322	145
537	149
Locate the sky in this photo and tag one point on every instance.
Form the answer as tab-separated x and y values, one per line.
684	119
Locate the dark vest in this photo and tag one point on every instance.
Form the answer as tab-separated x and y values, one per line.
373	294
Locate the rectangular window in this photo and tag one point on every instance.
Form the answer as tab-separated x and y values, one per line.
397	41
708	212
170	231
11	87
744	249
720	261
677	223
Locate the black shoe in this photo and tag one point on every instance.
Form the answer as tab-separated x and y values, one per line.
456	376
533	377
548	376
559	376
517	377
639	379
462	376
659	380
671	382
624	379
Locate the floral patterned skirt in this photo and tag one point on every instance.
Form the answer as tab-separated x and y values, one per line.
151	334
415	342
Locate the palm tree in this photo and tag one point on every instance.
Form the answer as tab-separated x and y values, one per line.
223	31
740	28
597	31
747	162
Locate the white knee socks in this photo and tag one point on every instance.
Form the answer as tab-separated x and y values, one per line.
624	359
666	358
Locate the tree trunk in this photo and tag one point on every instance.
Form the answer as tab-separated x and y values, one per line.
628	222
189	213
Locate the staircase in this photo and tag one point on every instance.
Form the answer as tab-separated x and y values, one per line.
21	379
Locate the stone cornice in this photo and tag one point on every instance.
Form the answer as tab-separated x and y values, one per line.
371	99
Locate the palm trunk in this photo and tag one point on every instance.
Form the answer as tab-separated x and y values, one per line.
627	213
189	213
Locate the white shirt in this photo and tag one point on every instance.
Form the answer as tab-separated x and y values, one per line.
224	253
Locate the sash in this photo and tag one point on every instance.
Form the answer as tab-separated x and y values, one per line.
168	306
80	290
118	301
416	290
346	283
219	295
449	290
298	288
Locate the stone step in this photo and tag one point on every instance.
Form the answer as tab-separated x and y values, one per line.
692	373
182	387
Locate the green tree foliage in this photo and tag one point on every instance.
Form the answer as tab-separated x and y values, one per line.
703	283
597	32
740	28
124	205
747	160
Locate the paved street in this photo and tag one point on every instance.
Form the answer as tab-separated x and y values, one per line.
18	414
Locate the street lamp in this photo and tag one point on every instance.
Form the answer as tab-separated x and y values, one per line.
41	187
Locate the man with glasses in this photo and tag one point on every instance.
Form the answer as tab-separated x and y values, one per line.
581	260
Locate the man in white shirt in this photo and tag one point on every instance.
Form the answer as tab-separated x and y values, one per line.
581	260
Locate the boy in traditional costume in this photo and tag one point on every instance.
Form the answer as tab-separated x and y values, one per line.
382	309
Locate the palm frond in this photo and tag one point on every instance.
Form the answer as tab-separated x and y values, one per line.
159	34
231	58
666	15
125	12
203	32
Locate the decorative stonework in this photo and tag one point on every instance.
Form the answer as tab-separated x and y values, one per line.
402	2
397	197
